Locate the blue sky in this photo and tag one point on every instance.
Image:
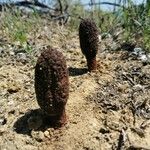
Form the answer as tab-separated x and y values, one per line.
109	7
84	1
105	7
135	1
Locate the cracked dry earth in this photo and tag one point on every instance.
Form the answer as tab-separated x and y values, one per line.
107	109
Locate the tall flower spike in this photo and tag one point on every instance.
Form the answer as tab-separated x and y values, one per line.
52	84
88	35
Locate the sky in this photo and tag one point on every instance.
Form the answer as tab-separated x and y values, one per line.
109	7
85	1
105	7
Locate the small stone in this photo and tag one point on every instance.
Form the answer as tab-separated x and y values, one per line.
104	130
99	38
11	103
13	89
148	110
11	111
143	58
51	131
3	121
114	46
138	87
21	57
2	131
136	51
123	87
26	97
46	134
11	53
37	135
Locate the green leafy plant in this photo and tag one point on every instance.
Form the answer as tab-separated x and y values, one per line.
17	27
136	22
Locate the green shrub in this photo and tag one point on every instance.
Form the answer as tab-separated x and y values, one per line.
17	27
136	22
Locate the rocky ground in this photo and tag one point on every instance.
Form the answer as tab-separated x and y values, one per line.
108	109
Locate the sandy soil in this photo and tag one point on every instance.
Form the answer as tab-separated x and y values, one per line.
107	110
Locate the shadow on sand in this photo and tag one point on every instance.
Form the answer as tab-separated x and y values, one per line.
77	71
34	120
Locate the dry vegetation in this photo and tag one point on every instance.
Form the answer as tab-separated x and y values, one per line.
107	109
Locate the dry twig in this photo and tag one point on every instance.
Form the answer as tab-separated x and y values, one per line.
121	140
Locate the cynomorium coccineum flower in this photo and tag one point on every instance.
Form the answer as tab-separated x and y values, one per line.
52	84
88	35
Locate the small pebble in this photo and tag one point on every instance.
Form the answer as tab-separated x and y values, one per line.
11	103
136	51
46	134
3	121
37	135
143	58
138	87
11	53
21	57
13	89
2	131
104	130
11	111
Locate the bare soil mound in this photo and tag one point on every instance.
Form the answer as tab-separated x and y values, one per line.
107	109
